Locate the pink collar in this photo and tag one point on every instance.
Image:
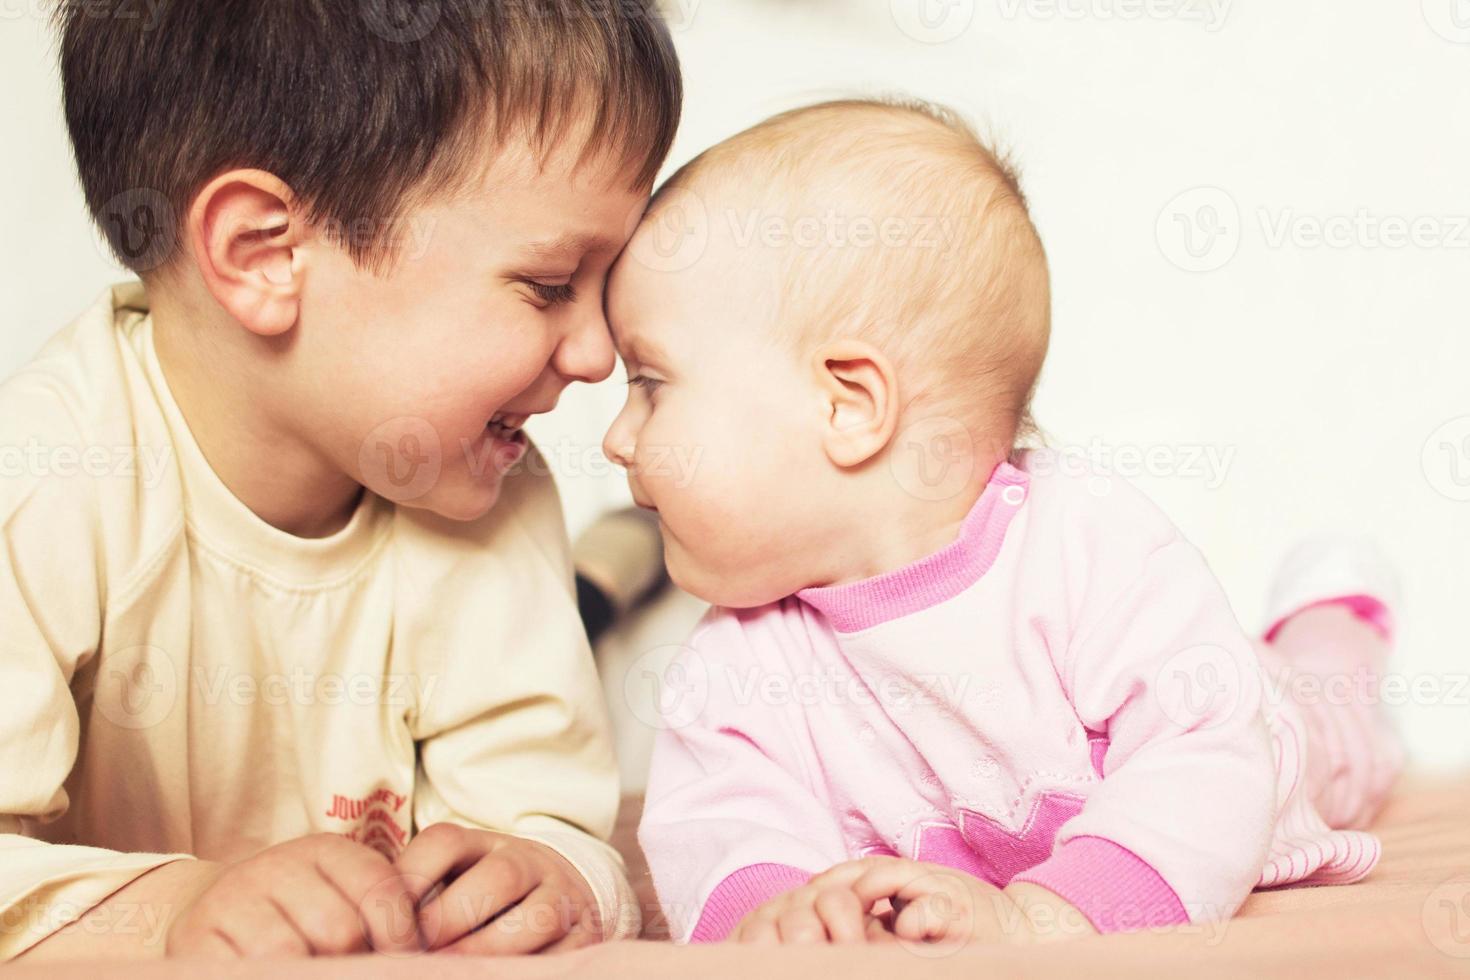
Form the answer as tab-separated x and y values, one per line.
937	578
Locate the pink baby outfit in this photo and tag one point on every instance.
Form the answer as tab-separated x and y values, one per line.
1062	696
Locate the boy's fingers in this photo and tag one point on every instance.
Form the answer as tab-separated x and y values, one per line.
474	898
385	900
260	928
329	922
208	944
842	914
534	924
437	851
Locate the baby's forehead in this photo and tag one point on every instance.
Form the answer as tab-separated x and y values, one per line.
631	304
680	260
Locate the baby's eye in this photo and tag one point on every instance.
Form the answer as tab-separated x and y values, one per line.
649	385
552	295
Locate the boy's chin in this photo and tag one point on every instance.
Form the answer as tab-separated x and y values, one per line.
460	504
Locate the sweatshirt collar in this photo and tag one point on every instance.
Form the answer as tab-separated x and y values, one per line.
941	576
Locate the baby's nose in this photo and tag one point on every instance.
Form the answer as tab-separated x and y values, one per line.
618	445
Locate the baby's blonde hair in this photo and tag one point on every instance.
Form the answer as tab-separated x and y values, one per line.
954	286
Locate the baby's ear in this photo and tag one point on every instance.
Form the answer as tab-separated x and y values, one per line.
245	238
859	391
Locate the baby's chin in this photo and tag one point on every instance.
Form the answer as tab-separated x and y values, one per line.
732	589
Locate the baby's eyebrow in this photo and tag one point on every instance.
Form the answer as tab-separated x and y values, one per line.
642	351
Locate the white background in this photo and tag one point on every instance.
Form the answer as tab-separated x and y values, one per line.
1333	379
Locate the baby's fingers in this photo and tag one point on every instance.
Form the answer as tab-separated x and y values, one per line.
841	914
935	917
876	930
758	928
902	880
800	925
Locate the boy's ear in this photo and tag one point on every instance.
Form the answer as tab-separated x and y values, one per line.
859	391
245	236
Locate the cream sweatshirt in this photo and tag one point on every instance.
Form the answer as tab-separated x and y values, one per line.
182	679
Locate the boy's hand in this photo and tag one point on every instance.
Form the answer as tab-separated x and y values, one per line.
313	896
824	910
537	900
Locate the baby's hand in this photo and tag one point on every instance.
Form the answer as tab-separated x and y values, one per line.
546	903
313	896
937	904
932	903
819	912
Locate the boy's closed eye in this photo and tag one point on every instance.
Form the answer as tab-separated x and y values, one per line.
551	293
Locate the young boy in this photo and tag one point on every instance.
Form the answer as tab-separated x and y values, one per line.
272	599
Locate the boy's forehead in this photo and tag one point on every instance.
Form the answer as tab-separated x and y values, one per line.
585	207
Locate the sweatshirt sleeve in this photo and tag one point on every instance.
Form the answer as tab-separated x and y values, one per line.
515	736
729	820
1181	824
51	608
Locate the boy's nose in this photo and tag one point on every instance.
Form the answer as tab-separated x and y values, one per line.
586	353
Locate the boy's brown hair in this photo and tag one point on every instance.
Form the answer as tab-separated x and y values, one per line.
361	107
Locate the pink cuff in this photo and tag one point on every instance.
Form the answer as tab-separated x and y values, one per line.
1116	890
740	892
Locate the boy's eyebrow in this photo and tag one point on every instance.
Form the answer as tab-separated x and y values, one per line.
569	244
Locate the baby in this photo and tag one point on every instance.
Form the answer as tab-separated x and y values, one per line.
949	690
